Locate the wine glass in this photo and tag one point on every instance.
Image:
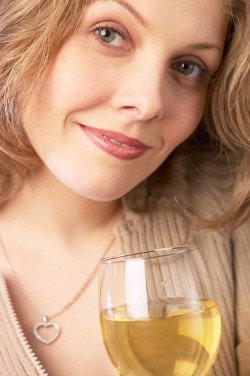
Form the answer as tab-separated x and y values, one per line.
158	314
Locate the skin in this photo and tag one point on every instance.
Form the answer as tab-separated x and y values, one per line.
131	85
121	71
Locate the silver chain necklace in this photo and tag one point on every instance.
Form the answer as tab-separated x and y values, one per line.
46	322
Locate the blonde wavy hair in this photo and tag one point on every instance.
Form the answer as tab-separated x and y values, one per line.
31	31
227	114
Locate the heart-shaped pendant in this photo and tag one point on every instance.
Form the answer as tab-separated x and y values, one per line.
46	324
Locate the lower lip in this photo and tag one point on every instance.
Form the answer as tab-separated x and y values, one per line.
116	150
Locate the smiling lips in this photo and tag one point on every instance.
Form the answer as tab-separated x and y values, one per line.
114	143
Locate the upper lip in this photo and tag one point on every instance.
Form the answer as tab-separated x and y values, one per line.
116	136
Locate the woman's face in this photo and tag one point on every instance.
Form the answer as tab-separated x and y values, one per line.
124	90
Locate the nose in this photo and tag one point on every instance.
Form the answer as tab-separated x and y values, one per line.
140	92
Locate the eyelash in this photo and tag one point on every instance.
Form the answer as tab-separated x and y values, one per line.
107	28
202	74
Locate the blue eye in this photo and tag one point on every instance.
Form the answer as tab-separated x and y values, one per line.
190	69
108	35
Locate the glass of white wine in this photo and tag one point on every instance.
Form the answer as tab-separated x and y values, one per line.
158	313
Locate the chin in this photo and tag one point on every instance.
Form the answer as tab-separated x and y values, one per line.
102	195
101	191
99	186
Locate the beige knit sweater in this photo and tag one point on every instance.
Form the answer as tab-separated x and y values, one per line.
228	261
151	223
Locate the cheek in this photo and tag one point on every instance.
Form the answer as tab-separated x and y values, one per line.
186	115
71	85
79	81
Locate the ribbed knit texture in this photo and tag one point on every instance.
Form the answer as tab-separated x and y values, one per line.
227	258
16	356
200	186
228	263
161	229
241	243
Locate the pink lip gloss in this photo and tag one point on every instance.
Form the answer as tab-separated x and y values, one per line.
114	143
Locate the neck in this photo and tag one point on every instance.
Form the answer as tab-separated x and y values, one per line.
57	212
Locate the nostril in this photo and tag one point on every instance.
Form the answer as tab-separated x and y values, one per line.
133	110
140	105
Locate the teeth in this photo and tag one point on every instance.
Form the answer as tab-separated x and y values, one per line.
115	141
118	143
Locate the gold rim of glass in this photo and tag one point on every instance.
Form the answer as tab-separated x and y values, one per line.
149	254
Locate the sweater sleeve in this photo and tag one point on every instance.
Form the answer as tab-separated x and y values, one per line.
241	241
163	228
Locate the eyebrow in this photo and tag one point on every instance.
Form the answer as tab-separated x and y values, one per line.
204	46
144	23
133	11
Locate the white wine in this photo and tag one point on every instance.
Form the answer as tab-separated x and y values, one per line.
180	338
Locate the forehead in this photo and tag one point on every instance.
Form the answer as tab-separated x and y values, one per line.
130	3
167	8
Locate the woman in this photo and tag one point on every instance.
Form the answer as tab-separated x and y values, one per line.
94	97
